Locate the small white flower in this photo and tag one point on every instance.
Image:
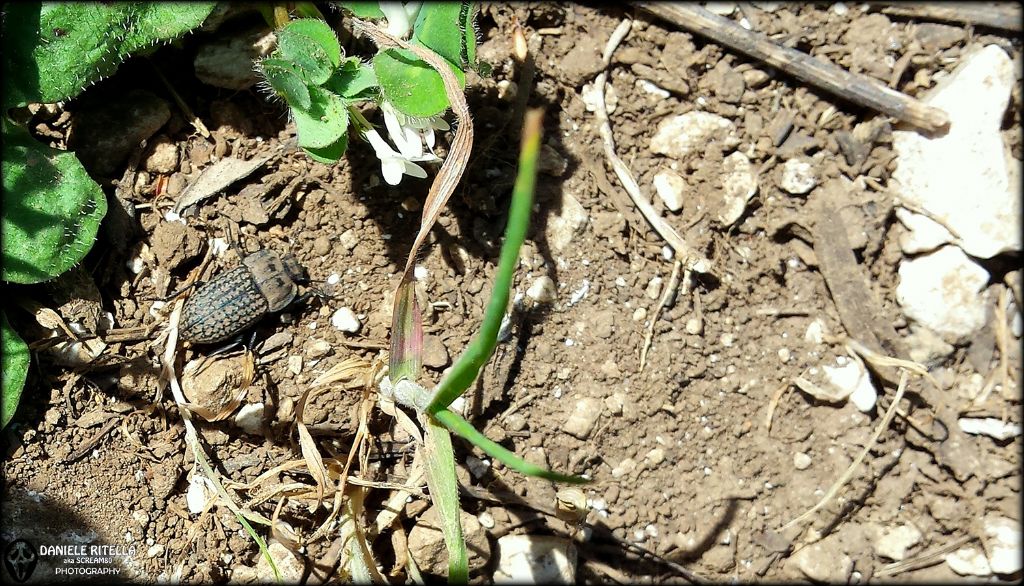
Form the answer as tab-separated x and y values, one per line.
400	16
394	164
411	133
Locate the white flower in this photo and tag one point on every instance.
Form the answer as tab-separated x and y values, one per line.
394	164
400	16
411	133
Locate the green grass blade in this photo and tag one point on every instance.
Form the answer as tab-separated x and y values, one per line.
467	367
444	492
465	430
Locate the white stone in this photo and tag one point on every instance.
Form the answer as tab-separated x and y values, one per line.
798	176
720	8
681	135
290	565
823	562
625	467
348	239
923	234
963	178
842	381
670	187
345	320
801	461
250	418
584	417
200	491
865	395
535	559
563	227
941	291
815	333
989	426
652	88
969	561
653	289
542	290
739	184
893	542
1002	541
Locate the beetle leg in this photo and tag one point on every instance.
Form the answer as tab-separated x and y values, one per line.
237	340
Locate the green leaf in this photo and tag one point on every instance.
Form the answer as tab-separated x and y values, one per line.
331	153
412	86
325	121
354	80
467	367
53	51
312	46
466	431
447	29
444	493
362	9
15	363
286	81
52	209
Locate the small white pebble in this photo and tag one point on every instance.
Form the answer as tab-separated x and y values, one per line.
334	279
801	461
345	320
784	354
694	326
486	520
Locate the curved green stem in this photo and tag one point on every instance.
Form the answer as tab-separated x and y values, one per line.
464	429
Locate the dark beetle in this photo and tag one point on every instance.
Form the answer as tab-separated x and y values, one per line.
233	301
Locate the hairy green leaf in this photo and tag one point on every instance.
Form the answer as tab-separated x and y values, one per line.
324	123
362	9
54	50
412	86
354	81
447	29
330	153
286	81
312	46
15	363
52	208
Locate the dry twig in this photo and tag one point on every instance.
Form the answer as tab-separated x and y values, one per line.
683	252
859	89
838	485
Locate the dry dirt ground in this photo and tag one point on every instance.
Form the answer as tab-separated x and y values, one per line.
700	457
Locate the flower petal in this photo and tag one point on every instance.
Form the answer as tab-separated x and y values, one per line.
380	146
413	170
392	169
397	17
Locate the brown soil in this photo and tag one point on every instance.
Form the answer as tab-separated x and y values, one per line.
681	455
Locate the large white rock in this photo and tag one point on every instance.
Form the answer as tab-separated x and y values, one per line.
969	561
893	542
923	233
535	559
680	135
1002	542
963	178
942	291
